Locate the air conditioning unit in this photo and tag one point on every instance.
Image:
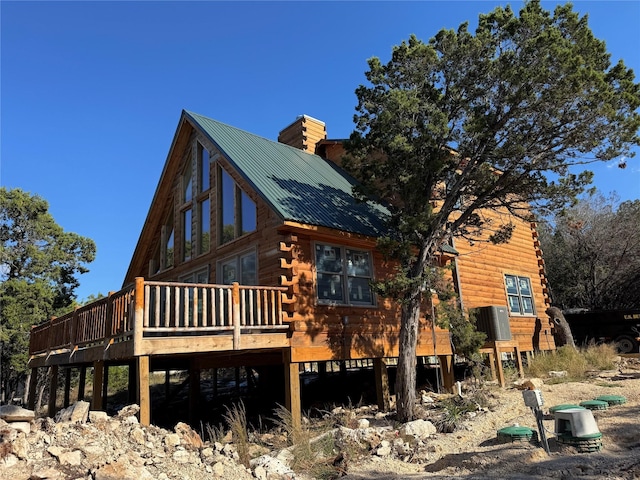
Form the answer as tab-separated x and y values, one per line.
494	321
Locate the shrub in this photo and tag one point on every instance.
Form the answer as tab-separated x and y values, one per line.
576	362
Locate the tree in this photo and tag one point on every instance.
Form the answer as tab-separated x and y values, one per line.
38	267
488	121
592	254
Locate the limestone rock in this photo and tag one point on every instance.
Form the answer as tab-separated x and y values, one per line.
14	413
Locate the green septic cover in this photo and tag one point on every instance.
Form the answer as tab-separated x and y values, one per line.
564	406
594	404
299	186
612	399
516	431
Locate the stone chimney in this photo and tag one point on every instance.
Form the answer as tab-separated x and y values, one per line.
304	133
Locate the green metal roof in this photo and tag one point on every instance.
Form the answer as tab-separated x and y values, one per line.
301	187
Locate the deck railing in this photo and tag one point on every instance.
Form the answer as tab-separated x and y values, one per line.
148	308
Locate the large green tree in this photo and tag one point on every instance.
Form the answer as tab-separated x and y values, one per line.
519	102
39	264
592	254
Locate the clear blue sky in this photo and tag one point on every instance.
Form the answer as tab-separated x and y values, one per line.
91	92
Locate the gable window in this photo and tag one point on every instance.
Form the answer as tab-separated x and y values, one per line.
343	275
166	255
203	204
237	210
241	269
519	295
186	234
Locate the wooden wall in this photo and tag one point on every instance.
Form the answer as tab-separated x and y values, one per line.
481	267
332	332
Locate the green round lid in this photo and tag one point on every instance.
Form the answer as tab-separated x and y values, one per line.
515	430
594	404
612	399
564	406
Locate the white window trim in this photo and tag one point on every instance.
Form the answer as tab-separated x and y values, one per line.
507	295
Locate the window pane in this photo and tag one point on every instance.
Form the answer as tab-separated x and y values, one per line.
527	305
187	184
248	211
358	263
360	291
227	207
168	259
229	272
525	286
186	234
511	284
330	287
204	169
248	269
204	222
514	304
328	259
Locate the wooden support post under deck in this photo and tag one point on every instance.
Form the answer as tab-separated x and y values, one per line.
82	381
143	394
382	384
98	372
67	385
53	387
292	390
33	386
446	368
519	361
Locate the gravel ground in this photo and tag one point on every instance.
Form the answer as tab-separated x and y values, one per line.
473	451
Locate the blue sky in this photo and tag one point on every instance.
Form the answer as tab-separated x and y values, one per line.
91	92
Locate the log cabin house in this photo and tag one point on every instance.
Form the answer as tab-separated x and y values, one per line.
255	253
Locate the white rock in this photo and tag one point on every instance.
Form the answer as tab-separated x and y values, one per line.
14	413
363	423
21	427
418	429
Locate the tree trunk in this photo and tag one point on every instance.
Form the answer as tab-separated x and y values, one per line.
562	331
406	373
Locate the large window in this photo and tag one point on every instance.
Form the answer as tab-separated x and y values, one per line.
237	211
519	295
343	275
166	259
241	269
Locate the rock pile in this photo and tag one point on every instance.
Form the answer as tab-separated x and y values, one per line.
79	444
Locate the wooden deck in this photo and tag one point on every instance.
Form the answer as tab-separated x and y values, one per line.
162	318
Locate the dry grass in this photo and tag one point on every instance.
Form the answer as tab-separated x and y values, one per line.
236	418
576	362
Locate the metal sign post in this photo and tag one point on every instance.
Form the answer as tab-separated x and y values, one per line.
533	399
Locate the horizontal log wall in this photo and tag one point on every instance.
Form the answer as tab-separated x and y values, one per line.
481	267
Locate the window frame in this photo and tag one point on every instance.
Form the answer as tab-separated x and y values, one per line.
237	260
236	196
345	276
515	291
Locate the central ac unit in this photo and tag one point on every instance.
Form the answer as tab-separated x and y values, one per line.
494	321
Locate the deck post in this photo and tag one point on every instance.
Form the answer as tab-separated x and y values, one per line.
53	387
144	398
292	390
98	372
82	382
235	309
446	367
382	384
33	386
138	318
